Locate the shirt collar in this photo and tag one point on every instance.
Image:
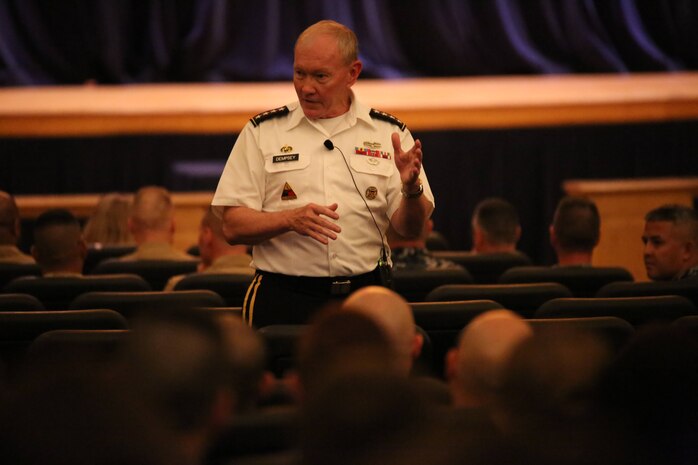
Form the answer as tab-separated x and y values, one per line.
357	111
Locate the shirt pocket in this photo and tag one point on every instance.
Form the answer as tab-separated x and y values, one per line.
286	181
373	177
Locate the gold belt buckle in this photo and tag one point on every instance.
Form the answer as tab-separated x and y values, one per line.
340	287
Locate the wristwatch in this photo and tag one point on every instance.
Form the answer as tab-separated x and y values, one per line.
415	194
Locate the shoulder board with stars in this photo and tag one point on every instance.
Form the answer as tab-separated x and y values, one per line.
269	114
377	114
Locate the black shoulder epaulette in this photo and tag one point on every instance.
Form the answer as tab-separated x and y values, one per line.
269	114
377	114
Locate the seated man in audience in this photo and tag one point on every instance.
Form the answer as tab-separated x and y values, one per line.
339	344
393	314
10	232
671	243
575	231
152	225
413	253
217	256
59	248
495	226
475	368
195	371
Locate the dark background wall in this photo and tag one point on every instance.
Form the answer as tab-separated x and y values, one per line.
526	166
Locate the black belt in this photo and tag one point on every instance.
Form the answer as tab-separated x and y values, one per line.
334	285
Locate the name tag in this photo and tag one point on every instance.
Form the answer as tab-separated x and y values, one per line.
285	158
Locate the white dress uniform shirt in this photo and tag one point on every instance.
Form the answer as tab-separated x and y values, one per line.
280	162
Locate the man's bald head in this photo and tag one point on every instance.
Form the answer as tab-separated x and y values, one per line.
152	208
476	367
394	315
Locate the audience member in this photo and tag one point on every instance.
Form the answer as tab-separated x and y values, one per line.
63	414
495	226
393	314
476	367
413	253
59	248
10	232
190	371
651	392
339	344
575	231
108	225
671	243
217	256
152	225
355	420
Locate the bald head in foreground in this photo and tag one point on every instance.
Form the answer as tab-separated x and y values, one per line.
393	314
474	369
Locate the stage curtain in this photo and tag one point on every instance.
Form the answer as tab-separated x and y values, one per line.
44	42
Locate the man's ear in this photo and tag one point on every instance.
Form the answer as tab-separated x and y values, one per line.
553	237
417	345
354	72
131	225
518	233
35	253
450	364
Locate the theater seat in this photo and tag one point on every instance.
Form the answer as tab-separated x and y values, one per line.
10	271
56	292
637	311
19	329
231	287
83	345
523	299
443	321
613	331
17	302
135	304
96	255
156	272
583	281
485	268
281	342
415	284
686	287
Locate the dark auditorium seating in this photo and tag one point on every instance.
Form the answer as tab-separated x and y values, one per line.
437	241
56	292
96	255
231	287
281	341
134	304
485	268
10	271
686	287
523	299
583	281
156	272
19	329
415	284
688	323
443	321
637	311
85	345
256	434
614	331
18	302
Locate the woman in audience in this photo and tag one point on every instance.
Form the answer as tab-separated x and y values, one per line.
108	223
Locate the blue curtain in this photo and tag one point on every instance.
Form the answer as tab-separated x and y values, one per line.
130	41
